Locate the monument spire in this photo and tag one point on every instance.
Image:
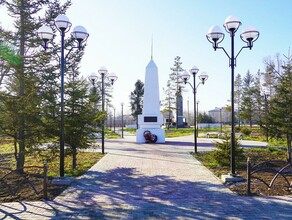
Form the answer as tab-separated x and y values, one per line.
152	47
151	118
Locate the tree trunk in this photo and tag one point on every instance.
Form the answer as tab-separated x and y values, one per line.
74	158
176	110
289	138
20	70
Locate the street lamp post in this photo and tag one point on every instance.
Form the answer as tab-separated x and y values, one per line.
203	77
92	79
79	34
114	119
265	95
197	118
112	78
122	104
216	36
221	121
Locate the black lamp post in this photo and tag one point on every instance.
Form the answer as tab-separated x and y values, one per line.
216	36
221	121
112	78
197	118
114	119
122	104
203	77
92	79
79	34
266	95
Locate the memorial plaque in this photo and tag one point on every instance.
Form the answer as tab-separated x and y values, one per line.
150	119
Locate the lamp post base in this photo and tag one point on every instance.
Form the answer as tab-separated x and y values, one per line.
231	178
63	181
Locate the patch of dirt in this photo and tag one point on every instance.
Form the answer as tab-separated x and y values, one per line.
16	189
258	188
260	181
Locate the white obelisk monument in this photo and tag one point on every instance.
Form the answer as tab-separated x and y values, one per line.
151	118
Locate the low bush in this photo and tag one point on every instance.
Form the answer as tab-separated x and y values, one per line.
223	150
246	131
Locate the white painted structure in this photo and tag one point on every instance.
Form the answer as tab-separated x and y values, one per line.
151	118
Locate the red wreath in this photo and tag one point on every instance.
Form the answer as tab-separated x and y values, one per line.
152	138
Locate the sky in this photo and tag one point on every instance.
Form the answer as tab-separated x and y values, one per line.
120	34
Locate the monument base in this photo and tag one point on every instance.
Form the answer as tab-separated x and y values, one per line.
159	132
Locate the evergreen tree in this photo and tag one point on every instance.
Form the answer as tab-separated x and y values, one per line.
280	111
258	101
23	82
169	103
80	116
205	118
246	110
268	90
136	100
175	83
238	94
269	78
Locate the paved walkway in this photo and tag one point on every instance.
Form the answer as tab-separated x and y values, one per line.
150	181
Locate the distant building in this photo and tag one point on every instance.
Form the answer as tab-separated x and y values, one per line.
220	115
168	118
127	120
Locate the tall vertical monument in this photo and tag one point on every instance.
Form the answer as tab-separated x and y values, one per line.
151	118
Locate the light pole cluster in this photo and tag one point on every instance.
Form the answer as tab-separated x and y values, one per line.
114	120
93	79
203	77
216	36
111	77
122	104
80	35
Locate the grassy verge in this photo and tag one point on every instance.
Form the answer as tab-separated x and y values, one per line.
256	134
85	160
256	155
111	134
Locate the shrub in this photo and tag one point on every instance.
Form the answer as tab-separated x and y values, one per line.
223	150
246	131
237	128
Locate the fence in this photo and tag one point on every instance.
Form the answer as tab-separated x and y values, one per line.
12	182
271	173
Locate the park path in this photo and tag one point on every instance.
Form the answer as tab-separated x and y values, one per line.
150	181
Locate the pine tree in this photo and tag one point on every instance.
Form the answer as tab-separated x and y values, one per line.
169	103
280	111
136	100
175	83
238	95
258	100
246	110
24	81
80	116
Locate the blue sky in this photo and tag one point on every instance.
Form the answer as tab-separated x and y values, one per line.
120	39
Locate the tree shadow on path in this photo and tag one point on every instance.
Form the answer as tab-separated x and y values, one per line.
124	193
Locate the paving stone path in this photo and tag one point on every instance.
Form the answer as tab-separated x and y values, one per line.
150	181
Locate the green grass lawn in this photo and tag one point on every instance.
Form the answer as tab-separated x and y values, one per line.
256	134
85	160
256	155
